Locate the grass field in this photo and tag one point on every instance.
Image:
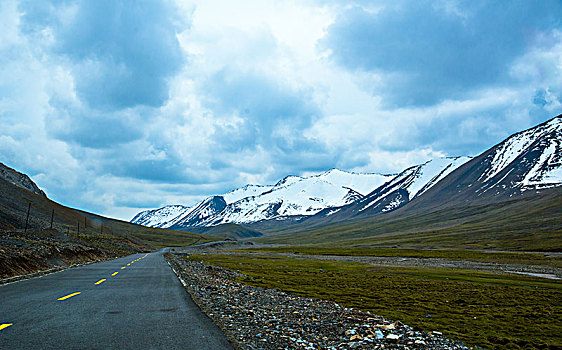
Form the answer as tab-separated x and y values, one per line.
498	257
525	224
484	309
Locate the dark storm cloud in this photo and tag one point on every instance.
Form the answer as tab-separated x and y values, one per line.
430	51
122	52
274	115
89	128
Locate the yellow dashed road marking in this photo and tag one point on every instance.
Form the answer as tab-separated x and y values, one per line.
5	325
113	274
100	281
69	296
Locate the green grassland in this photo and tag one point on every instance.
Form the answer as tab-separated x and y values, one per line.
526	224
484	309
498	257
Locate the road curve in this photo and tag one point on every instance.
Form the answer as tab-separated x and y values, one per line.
134	302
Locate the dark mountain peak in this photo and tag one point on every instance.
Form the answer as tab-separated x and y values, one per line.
21	180
213	200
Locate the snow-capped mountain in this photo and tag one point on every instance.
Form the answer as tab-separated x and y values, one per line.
403	188
246	191
294	196
525	163
291	196
157	217
537	152
413	182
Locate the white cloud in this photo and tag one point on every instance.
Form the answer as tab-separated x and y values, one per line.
279	104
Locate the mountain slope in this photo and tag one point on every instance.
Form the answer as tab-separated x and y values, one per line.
21	180
232	231
530	222
157	217
508	197
57	235
404	187
524	163
292	196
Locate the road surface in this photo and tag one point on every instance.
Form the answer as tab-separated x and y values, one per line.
135	302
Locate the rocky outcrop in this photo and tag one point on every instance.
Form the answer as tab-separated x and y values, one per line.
19	179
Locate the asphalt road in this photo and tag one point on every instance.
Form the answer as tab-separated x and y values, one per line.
139	304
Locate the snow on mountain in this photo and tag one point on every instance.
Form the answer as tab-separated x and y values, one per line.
429	173
545	139
409	184
528	160
243	192
158	217
288	180
531	159
301	196
293	195
362	183
199	214
525	163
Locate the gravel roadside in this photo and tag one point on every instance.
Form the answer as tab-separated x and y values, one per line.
260	318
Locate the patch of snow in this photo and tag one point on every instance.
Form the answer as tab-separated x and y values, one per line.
243	192
159	217
514	146
301	196
419	178
395	203
332	212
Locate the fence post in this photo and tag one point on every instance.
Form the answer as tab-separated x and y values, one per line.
27	218
52	217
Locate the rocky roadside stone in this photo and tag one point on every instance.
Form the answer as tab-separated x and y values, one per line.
260	318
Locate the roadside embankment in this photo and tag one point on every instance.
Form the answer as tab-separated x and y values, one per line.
29	255
264	318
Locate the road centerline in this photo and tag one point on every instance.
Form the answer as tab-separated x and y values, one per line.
115	273
100	281
5	325
69	296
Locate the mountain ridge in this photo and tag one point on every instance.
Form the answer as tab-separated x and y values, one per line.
333	188
252	203
19	179
527	160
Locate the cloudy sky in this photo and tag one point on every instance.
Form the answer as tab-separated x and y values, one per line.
119	106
